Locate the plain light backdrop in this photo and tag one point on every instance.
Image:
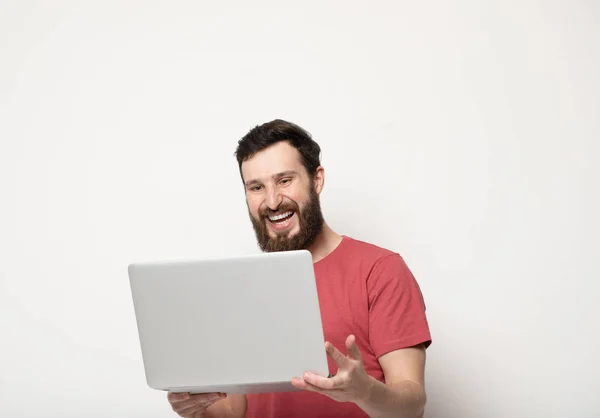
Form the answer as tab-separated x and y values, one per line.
462	134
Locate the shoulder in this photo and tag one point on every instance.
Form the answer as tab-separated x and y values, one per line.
371	254
380	264
366	248
356	260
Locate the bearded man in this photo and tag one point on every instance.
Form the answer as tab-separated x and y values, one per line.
372	309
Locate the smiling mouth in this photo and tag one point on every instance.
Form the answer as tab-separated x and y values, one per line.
282	217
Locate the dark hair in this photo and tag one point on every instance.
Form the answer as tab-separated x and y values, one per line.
267	134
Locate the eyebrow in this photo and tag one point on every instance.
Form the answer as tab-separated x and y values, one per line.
274	176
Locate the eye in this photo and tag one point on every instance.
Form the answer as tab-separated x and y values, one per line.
255	188
285	181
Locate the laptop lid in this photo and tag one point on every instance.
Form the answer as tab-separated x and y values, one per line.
243	324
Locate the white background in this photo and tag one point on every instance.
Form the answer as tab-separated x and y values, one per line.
462	134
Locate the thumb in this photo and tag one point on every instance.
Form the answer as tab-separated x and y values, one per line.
353	351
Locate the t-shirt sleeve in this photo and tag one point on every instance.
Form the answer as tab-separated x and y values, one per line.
396	307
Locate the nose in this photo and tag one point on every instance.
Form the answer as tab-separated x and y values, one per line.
273	199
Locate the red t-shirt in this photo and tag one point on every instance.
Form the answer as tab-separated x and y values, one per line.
363	290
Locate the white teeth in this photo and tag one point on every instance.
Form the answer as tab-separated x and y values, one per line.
281	216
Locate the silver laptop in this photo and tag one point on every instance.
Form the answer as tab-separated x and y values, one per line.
246	324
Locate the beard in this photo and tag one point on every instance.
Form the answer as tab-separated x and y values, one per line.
310	220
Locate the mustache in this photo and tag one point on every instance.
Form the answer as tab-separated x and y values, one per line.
284	207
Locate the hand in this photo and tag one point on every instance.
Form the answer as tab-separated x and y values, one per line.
351	382
193	406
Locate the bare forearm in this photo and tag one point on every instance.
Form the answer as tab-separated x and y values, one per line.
404	399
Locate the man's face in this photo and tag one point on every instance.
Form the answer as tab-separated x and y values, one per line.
283	200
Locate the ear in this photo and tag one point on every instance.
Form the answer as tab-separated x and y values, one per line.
319	179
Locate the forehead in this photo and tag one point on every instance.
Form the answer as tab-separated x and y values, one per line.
277	158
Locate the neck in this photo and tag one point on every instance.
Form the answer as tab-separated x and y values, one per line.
325	243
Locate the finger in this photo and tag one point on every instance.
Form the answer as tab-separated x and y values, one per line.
336	355
177	397
191	409
327	383
196	401
299	383
305	385
196	409
352	348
